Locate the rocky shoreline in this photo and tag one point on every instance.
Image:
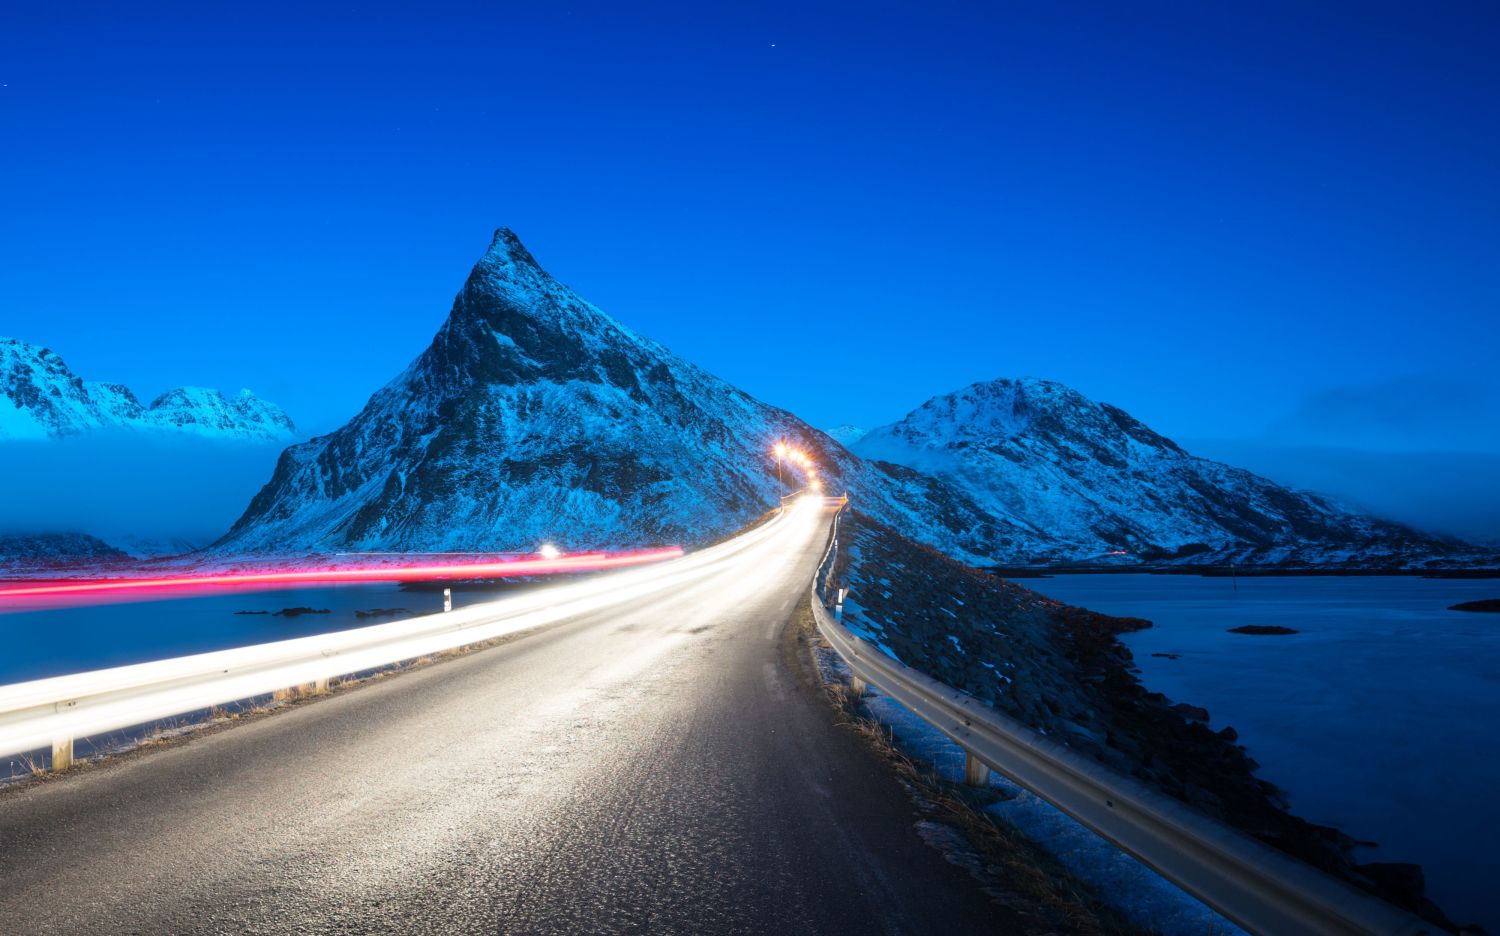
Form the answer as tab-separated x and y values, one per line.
1489	571
1064	671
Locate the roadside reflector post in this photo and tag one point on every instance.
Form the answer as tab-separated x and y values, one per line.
838	607
447	599
62	753
976	771
321	684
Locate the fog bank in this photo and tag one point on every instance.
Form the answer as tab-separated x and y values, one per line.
1443	492
126	487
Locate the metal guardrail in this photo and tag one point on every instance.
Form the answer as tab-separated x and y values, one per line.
54	712
1250	883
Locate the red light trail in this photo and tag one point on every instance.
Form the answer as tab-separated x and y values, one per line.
582	562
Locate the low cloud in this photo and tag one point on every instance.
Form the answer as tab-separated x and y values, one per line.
130	485
1442	492
1401	414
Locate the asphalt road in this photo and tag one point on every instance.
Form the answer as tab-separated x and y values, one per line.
666	767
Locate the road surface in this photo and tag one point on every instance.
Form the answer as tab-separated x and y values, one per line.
668	766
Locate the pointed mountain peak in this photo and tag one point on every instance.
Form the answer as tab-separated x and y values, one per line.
510	242
508	272
508	253
513	323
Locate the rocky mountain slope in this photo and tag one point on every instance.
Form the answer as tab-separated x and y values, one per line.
41	398
1075	480
533	417
59	548
846	435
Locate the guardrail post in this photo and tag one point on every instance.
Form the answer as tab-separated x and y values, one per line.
976	771
320	684
62	753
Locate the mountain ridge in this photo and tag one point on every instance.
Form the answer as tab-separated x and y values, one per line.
1099	483
41	398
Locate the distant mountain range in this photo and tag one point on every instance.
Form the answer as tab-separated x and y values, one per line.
40	398
1079	480
846	435
534	416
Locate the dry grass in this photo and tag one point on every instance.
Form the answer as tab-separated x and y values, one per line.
32	765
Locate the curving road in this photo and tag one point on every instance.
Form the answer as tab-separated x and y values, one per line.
668	766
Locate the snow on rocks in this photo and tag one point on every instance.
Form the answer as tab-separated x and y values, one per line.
41	398
1081	481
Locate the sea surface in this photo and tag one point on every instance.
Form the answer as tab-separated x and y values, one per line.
55	641
1381	717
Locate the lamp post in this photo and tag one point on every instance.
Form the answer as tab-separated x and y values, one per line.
780	453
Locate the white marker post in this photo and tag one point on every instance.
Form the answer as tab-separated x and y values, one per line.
856	685
447	599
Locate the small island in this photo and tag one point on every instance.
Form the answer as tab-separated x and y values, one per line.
1268	629
1491	605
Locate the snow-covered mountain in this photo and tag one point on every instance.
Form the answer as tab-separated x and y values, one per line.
61	548
533	416
846	435
41	398
1078	480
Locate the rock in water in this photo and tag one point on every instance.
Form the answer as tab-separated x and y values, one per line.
1484	604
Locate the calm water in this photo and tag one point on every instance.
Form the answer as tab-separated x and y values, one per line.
39	643
1381	717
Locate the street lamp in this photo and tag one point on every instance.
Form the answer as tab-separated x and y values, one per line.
780	451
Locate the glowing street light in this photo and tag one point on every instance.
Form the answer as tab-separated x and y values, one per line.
548	551
780	451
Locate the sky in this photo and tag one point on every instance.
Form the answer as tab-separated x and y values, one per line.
1265	225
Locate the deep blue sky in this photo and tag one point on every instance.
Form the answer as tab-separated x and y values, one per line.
1224	217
